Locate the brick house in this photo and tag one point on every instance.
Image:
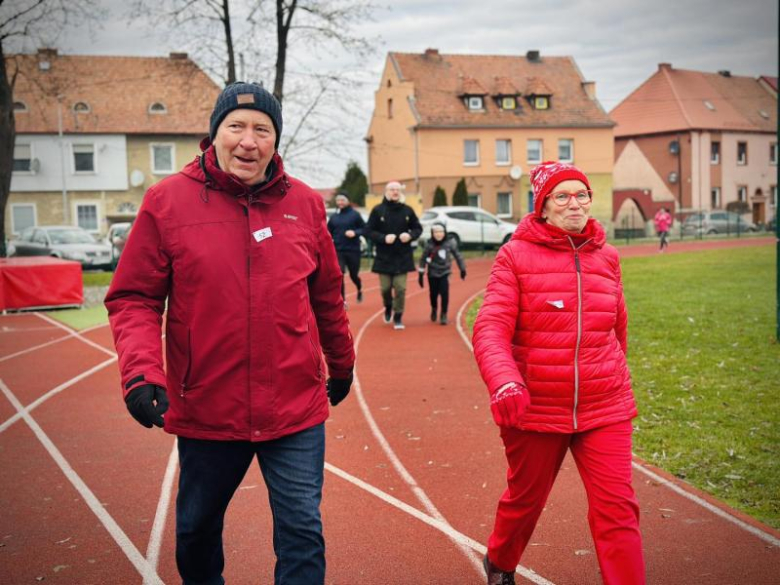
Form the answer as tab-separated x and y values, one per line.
93	133
489	119
690	140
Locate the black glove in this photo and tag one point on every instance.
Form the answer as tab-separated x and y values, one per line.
463	275
147	404
338	389
420	279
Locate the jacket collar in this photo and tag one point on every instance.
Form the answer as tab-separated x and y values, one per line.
538	231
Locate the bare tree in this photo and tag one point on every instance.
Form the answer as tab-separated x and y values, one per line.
22	24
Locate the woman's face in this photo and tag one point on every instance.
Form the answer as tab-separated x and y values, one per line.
572	216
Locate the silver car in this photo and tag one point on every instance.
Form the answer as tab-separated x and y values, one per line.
717	222
467	225
62	241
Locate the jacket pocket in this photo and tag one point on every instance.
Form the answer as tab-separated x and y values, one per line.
185	378
315	352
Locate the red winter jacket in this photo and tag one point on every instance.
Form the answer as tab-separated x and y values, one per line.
253	291
554	319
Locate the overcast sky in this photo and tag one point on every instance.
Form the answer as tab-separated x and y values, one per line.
616	43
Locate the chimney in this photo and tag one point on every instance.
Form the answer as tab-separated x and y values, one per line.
533	56
590	89
666	66
178	56
45	56
724	73
431	54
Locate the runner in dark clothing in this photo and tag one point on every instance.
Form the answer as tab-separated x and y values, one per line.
437	257
346	227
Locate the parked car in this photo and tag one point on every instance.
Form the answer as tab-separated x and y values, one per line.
468	226
62	241
717	222
117	237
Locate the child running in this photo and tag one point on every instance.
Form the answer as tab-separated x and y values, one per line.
437	256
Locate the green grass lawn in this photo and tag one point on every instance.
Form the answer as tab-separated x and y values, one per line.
705	365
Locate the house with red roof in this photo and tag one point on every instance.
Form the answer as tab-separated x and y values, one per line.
690	141
488	119
94	132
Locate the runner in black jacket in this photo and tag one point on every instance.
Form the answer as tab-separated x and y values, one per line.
392	226
346	227
438	256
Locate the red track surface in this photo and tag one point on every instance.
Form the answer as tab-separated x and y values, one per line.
82	482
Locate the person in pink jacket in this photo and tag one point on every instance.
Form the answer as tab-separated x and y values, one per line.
236	255
550	343
663	221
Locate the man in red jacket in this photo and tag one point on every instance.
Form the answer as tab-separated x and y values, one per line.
237	255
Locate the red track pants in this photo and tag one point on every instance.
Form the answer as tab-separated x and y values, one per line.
603	457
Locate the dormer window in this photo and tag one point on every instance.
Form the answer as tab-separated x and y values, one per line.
508	103
158	108
20	106
81	108
541	102
475	102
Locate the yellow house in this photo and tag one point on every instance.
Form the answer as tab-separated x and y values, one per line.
488	119
94	132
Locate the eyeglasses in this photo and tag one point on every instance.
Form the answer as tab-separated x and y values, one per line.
562	198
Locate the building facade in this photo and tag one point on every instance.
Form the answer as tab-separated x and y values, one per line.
694	141
489	120
93	133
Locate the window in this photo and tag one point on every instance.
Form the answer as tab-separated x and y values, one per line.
742	194
714	153
773	196
158	108
22	216
504	205
22	158
508	103
163	156
39	237
20	106
84	158
475	102
81	108
566	150
475	200
715	197
462	215
390	108
471	152
541	102
87	216
773	153
534	151
741	153
503	152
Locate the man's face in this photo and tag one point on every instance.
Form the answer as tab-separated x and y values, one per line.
393	193
341	202
245	144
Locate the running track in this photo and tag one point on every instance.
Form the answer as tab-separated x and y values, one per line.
414	470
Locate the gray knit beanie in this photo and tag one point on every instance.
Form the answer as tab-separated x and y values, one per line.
253	96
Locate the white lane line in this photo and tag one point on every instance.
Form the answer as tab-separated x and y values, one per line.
394	460
437	523
55	391
36	347
765	536
124	543
98	326
458	319
155	539
75	333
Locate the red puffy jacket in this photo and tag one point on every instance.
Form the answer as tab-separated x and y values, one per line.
554	319
253	291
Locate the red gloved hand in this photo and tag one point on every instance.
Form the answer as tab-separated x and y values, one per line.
509	404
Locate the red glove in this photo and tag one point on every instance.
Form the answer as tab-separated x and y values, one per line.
509	404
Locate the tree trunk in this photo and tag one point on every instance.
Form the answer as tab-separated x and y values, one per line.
231	64
7	139
282	31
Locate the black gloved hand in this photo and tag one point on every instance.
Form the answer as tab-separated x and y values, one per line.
338	389
420	279
463	275
147	404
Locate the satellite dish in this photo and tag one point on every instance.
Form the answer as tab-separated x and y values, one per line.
35	165
137	178
515	172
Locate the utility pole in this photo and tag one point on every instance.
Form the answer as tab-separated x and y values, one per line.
65	213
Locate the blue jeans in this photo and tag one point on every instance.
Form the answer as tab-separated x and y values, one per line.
211	471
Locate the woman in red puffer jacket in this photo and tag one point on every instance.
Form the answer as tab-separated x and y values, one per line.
550	342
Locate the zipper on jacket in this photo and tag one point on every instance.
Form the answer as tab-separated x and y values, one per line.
186	379
579	337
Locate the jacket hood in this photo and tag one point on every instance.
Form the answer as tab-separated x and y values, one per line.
442	226
205	169
536	230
